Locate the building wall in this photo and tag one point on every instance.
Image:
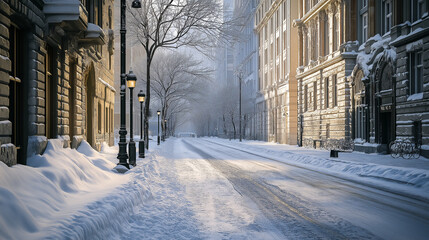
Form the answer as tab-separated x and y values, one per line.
326	60
59	72
245	64
410	37
276	72
382	76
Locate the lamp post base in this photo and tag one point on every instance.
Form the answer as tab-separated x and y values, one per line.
122	155
159	140
132	153
141	149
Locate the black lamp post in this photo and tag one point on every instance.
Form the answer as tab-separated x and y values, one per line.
122	155
131	83
159	139
164	134
240	75
141	96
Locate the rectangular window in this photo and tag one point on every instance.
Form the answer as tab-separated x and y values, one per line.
100	116
306	49
334	91
335	33
415	67
106	121
111	120
326	92
326	35
278	46
16	56
418	8
417	132
315	95
305	98
307	6
387	13
364	27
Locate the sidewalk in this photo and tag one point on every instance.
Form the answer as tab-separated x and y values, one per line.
357	157
406	176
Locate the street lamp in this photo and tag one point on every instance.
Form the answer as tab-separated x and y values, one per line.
141	96
131	84
164	134
240	75
122	155
136	4
159	113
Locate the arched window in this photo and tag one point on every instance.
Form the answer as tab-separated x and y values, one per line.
360	107
386	78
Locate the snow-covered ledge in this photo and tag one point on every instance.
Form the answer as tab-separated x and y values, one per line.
70	11
94	35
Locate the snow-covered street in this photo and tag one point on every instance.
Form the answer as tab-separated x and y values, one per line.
210	188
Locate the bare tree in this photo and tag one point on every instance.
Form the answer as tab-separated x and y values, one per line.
176	23
177	80
219	110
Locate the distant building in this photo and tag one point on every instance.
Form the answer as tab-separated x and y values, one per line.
278	52
245	58
56	75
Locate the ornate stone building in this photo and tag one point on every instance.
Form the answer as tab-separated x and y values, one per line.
327	53
390	80
56	75
276	107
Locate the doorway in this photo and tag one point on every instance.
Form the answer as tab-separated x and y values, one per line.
386	127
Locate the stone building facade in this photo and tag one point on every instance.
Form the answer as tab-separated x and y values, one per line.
327	53
56	75
276	103
390	80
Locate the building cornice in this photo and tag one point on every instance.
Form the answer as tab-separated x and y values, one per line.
326	64
268	14
314	10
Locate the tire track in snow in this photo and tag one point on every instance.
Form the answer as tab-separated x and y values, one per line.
292	219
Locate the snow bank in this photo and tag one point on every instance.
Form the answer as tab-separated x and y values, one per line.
66	194
415	180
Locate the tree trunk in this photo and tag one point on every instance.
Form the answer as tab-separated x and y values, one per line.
233	126
224	124
147	100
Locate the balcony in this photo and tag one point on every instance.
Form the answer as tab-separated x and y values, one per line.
94	35
71	15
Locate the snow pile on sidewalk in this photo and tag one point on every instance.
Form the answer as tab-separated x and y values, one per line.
412	180
67	194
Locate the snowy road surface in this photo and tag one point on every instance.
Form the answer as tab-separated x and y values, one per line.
208	189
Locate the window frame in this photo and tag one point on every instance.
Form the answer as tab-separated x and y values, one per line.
334	91
387	16
364	27
327	92
306	98
415	69
418	9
